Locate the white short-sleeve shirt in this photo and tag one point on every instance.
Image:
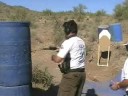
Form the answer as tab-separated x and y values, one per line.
124	74
76	47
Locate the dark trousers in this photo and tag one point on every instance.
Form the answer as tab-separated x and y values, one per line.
72	84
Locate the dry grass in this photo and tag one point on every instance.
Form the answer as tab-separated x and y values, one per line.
41	79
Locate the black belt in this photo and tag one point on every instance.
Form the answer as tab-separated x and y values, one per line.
77	70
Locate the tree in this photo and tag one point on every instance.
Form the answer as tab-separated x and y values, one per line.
118	12
80	9
121	11
100	13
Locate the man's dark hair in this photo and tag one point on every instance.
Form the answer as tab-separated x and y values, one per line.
70	27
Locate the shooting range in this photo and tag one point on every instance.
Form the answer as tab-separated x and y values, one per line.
15	63
29	38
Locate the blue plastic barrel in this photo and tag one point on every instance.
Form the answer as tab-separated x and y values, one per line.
116	32
15	56
24	90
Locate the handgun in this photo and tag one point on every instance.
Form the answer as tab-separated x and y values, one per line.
50	48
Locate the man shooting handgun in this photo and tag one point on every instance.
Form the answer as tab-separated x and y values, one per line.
72	54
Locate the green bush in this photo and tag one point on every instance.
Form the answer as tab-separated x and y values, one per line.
121	11
47	12
40	77
100	13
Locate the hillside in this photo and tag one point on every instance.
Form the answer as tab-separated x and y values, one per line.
46	30
48	33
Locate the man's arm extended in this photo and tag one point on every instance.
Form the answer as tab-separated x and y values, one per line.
56	59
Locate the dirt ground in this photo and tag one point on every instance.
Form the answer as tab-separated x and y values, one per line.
95	73
44	38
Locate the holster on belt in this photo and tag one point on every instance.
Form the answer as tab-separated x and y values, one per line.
65	66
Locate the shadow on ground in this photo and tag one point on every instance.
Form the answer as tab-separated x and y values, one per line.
92	88
91	92
52	91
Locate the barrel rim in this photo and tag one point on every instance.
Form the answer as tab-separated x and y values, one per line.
116	24
14	23
103	26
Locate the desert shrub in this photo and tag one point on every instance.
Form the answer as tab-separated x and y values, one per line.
66	18
20	15
79	12
80	18
41	77
93	34
98	20
121	11
58	32
88	50
80	9
100	13
47	12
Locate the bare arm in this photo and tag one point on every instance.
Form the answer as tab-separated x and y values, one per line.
123	84
56	59
118	85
